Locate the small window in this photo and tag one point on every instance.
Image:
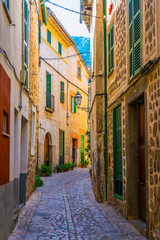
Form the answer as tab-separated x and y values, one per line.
5	122
79	72
73	105
48	36
60	48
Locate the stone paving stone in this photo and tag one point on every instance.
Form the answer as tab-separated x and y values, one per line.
65	208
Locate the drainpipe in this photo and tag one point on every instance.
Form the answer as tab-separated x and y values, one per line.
105	94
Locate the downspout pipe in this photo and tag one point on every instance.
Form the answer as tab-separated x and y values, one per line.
105	94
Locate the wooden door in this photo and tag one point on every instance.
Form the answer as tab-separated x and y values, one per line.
74	150
46	150
142	166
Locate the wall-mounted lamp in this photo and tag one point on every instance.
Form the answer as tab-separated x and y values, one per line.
78	99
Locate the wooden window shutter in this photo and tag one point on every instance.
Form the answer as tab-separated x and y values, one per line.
62	92
117	152
111	49
134	37
48	36
79	72
60	48
82	148
75	106
26	41
48	83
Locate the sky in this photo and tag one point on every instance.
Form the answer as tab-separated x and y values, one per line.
71	21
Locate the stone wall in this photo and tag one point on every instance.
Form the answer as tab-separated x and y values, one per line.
154	151
150	28
34	97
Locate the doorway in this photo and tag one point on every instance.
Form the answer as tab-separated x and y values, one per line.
74	149
61	146
136	168
48	150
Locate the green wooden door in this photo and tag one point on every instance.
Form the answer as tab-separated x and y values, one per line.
117	152
61	147
82	148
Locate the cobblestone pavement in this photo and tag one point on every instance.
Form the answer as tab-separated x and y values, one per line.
65	208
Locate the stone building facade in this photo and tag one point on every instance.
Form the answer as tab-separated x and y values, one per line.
19	102
62	125
133	113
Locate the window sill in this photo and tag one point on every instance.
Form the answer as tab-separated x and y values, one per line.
118	196
7	13
49	110
5	134
109	74
134	77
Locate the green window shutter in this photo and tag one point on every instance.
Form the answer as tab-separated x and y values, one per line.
75	106
48	90
48	82
61	146
62	92
117	152
79	72
7	2
82	148
134	37
48	36
111	49
60	48
26	40
71	103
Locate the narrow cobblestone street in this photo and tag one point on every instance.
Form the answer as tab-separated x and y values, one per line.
65	208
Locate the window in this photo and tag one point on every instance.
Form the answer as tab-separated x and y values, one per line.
5	122
79	72
134	37
82	148
117	153
111	49
60	48
33	132
26	40
62	93
48	36
7	2
48	90
73	105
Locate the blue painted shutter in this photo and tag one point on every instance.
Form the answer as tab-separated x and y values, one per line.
26	40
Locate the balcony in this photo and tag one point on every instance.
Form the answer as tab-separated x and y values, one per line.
50	103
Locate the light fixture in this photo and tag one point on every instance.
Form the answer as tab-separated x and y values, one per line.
78	99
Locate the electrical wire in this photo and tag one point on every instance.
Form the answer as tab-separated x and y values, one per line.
71	10
67	56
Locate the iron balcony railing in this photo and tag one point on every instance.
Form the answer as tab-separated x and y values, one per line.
50	101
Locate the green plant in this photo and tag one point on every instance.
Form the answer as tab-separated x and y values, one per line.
38	181
85	163
74	164
90	170
46	170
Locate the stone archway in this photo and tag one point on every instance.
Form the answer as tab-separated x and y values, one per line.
48	150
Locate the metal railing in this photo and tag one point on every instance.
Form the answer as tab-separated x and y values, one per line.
50	101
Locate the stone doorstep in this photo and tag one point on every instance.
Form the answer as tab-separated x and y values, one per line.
139	225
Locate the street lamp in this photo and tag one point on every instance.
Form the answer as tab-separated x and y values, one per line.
78	99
